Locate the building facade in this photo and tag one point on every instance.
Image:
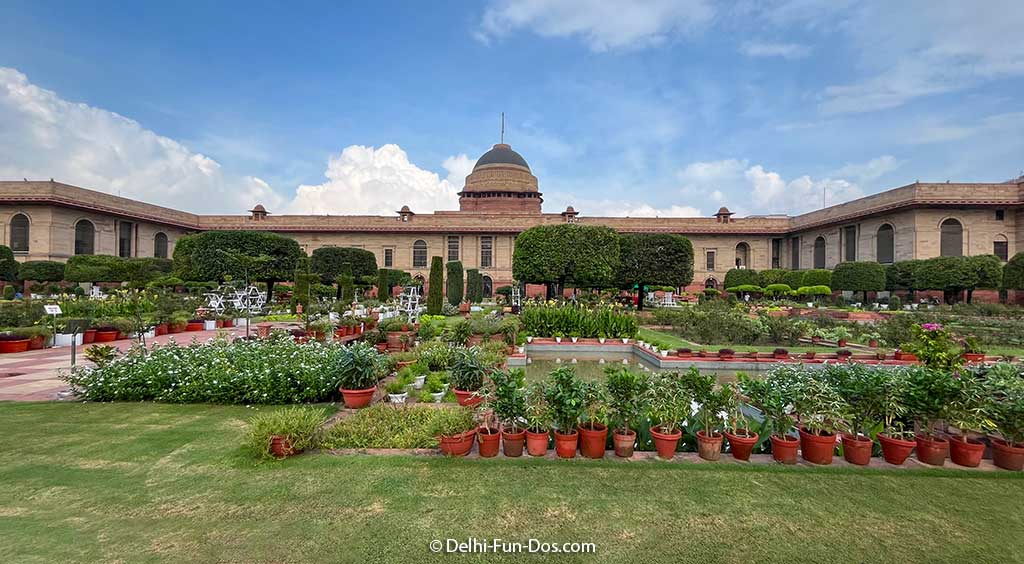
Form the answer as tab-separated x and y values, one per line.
53	221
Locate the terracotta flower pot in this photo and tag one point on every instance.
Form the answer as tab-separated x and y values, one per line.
817	449
20	345
466	398
355	399
194	326
709	447
36	343
624	443
857	449
536	443
1006	456
895	451
966	453
784	449
489	440
593	437
665	443
741	446
931	451
512	443
457	445
565	444
89	336
227	323
280	447
974	357
105	336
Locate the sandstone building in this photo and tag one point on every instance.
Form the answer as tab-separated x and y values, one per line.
52	221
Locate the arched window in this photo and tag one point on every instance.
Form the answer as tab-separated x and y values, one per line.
742	255
711	283
819	252
160	246
1001	247
19	233
85	237
951	238
885	244
419	254
488	286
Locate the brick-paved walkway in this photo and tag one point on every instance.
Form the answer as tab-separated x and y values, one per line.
33	375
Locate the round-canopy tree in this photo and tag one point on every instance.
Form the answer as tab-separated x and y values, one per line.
742	277
329	262
951	275
1013	273
206	256
990	273
586	256
95	268
662	259
859	277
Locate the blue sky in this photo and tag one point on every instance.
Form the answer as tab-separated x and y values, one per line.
657	108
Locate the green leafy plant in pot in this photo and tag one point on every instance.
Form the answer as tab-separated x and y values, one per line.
863	389
467	375
455	430
668	404
741	439
284	432
712	403
823	414
929	392
626	395
508	402
593	427
538	419
971	413
897	436
771	397
566	397
359	368
1006	388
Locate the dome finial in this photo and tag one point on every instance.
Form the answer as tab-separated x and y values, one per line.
502	138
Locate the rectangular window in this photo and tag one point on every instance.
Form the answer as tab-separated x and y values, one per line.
124	239
850	243
453	248
389	258
1000	215
710	260
1001	249
486	251
776	253
794	253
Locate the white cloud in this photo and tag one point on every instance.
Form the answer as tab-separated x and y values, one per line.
380	181
44	136
871	170
803	194
768	49
600	24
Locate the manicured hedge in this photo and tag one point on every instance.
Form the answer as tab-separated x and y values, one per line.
794	278
654	258
212	255
742	277
474	286
773	276
1013	273
586	256
817	277
777	289
95	268
329	263
859	277
455	282
8	266
41	271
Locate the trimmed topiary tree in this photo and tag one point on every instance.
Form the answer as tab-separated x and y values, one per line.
435	292
41	271
329	263
455	282
208	256
902	275
817	277
302	284
1013	273
951	275
990	273
794	278
8	265
777	290
661	259
474	286
383	288
586	256
859	277
773	276
346	284
742	277
95	268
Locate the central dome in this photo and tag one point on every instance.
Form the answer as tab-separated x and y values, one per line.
501	154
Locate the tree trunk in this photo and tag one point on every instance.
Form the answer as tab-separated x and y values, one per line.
640	296
338	295
970	295
270	292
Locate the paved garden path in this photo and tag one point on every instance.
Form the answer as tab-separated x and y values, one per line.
34	375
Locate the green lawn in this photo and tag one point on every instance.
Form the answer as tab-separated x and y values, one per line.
649	335
155	483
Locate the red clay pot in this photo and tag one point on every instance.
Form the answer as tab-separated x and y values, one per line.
194	326
281	448
219	324
593	437
741	446
227	323
105	336
457	445
784	449
89	336
466	398
512	443
709	448
36	343
176	328
1006	456
817	449
973	357
355	399
381	347
857	449
665	443
536	443
624	443
160	329
966	453
489	440
931	451
895	451
565	444
21	345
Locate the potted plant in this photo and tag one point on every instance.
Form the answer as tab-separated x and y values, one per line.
971	350
285	432
897	437
822	412
359	368
843	354
1006	388
467	376
566	395
741	439
712	402
397	390
971	413
488	434
780	354
593	428
508	402
435	386
455	430
668	404
726	354
626	393
864	391
929	392
872	339
538	419
12	343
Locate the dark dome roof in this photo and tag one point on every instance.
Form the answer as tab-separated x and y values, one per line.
501	154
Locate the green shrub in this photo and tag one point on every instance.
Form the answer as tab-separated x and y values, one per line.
745	289
300	426
474	286
455	282
741	277
435	292
586	256
1013	273
95	268
859	277
772	276
41	271
778	290
566	397
468	369
565	321
817	277
9	292
359	366
383	426
8	264
794	278
814	291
